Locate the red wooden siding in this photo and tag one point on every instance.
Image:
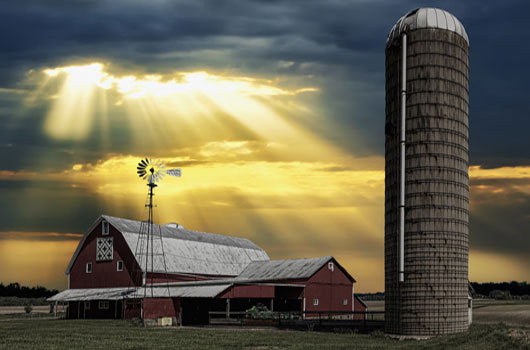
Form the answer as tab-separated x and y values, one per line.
330	288
76	309
104	273
161	307
359	307
162	277
249	292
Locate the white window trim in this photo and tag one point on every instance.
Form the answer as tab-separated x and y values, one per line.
88	267
118	265
345	302
331	267
315	302
87	305
105	228
103	305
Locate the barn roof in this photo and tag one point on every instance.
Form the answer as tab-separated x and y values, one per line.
190	291
186	251
287	269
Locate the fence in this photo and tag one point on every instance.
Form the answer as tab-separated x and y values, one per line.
299	319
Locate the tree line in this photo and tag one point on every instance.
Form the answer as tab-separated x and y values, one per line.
512	288
496	290
16	290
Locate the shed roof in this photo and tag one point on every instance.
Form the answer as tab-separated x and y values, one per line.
190	291
186	251
427	18
286	269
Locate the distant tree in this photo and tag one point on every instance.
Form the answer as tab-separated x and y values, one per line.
496	294
28	308
514	287
16	290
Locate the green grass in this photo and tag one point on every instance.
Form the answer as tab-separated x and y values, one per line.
112	334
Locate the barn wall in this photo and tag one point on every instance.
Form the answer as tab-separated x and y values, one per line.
161	307
76	309
330	288
358	307
249	292
72	310
104	273
133	309
162	277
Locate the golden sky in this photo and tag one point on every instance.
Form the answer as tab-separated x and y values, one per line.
253	166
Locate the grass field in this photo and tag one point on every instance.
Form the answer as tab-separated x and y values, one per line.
112	334
486	333
510	312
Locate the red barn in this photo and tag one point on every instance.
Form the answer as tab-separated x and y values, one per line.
198	273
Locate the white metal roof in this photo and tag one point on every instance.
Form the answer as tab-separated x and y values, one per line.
284	269
90	294
186	251
193	291
427	18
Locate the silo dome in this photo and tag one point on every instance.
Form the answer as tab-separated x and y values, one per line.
427	18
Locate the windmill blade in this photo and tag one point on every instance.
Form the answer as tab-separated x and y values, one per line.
174	172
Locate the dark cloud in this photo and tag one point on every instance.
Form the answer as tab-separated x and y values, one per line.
499	222
48	206
341	42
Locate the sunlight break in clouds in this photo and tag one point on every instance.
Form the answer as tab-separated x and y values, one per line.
154	99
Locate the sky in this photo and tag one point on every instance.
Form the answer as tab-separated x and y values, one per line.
274	110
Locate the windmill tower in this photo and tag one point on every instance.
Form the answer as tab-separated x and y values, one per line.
149	250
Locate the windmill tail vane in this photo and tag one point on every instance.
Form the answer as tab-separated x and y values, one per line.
154	171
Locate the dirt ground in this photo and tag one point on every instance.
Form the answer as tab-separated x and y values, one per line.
511	312
508	312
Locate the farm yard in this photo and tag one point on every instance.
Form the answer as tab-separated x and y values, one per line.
32	333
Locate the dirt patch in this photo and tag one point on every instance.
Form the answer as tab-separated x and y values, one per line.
512	314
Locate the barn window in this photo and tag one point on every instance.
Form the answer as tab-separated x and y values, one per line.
120	265
330	266
103	305
87	305
345	302
105	228
315	302
88	267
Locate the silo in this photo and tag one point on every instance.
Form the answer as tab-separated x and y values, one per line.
426	175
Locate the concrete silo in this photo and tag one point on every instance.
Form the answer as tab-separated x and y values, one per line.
426	182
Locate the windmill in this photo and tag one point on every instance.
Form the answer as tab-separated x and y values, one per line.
145	252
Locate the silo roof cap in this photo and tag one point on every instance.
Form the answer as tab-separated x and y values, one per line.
427	17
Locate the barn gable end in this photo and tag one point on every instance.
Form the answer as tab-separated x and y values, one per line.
104	273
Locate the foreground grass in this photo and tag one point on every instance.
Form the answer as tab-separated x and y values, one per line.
111	334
